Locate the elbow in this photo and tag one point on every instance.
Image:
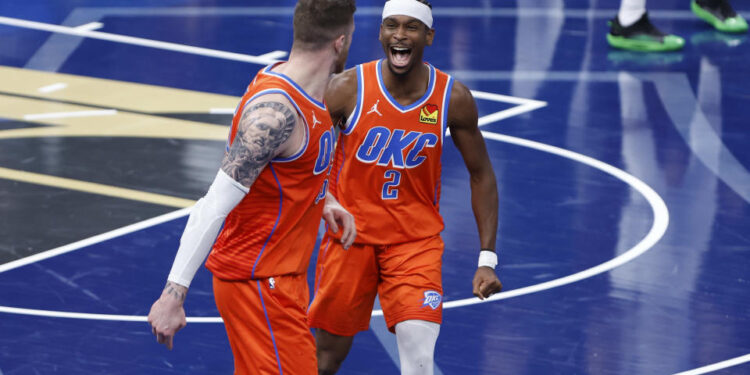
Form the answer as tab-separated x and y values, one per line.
484	177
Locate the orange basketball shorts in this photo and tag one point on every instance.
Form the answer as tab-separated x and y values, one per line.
267	326
406	276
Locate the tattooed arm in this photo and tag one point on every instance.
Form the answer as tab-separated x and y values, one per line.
268	128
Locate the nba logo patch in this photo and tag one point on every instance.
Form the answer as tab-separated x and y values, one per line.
271	283
432	299
429	114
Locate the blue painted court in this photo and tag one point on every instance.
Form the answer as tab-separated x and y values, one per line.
624	183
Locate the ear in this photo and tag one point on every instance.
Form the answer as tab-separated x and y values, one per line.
380	34
430	36
339	43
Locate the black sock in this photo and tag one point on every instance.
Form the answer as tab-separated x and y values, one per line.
713	4
721	7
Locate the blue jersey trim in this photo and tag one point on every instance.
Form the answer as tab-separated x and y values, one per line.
360	98
446	105
394	103
268	70
278	218
273	339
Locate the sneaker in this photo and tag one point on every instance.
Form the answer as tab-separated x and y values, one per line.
641	36
720	15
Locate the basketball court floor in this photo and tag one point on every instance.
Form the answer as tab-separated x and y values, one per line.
624	180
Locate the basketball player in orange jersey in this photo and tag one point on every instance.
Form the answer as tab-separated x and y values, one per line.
387	174
269	194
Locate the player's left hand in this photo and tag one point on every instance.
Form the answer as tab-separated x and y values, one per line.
486	283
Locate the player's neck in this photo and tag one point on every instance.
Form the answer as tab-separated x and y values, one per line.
406	88
308	70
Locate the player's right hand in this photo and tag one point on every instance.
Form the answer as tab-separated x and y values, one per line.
167	316
486	283
337	216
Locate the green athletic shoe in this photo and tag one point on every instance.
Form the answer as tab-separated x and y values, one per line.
642	36
721	16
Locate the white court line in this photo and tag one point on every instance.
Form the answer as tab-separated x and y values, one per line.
221	111
135	41
106	317
503	98
91	26
510	112
659	208
52	88
273	55
718	366
94	240
56	115
523	105
89	242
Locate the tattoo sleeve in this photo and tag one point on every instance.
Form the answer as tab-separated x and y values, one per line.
262	129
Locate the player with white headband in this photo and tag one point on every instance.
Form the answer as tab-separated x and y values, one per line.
393	114
411	8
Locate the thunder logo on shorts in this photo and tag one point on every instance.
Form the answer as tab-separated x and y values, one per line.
432	299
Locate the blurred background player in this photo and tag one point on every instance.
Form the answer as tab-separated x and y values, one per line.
387	174
269	189
631	29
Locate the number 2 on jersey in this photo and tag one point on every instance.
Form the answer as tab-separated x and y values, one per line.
390	190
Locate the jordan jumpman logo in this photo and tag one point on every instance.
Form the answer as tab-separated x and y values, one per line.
375	109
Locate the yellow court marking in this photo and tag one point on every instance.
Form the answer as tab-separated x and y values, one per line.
110	93
120	124
22	97
90	187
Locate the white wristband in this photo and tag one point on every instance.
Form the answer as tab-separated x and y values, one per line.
487	259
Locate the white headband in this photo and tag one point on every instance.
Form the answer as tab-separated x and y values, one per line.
411	8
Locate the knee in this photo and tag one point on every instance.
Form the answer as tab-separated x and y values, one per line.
328	362
331	350
416	345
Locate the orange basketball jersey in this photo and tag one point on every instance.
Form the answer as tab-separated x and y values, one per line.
272	231
387	166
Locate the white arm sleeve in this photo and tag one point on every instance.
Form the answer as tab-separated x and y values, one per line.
203	226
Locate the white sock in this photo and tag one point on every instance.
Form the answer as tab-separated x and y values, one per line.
416	346
630	11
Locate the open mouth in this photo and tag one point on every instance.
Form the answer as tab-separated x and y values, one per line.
400	56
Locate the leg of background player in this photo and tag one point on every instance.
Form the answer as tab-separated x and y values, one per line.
720	15
332	350
631	29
